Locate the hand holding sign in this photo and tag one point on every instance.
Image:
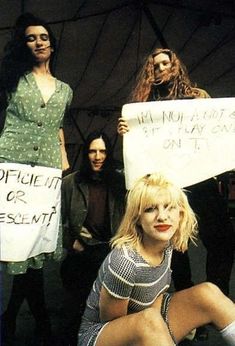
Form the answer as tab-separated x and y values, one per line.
182	139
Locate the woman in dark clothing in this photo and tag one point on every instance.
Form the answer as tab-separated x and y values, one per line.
164	77
92	207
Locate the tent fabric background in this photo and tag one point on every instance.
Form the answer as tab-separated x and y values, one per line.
102	44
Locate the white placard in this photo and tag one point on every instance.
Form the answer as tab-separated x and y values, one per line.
30	202
186	140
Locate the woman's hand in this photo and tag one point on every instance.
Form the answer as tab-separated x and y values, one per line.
122	126
77	246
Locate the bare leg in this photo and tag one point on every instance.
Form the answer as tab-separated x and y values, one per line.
146	328
197	306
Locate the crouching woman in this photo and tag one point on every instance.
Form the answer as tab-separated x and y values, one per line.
129	303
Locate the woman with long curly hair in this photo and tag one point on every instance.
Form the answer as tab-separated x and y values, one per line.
164	77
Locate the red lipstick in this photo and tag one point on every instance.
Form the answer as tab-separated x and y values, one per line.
162	227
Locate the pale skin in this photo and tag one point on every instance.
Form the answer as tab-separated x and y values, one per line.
97	155
162	65
189	309
38	41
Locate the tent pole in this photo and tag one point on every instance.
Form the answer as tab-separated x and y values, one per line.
154	25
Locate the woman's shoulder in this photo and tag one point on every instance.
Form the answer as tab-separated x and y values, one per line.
72	178
120	265
66	90
128	256
64	84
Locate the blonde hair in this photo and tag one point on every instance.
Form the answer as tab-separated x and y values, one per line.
144	195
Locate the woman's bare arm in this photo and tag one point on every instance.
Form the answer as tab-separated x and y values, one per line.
111	307
64	158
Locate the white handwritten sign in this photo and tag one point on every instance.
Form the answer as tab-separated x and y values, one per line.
186	140
30	201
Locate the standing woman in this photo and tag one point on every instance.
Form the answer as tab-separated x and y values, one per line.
164	77
35	103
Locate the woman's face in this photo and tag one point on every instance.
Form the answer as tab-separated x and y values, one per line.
38	42
97	154
162	66
160	221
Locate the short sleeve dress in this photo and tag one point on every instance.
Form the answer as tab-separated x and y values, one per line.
31	136
126	275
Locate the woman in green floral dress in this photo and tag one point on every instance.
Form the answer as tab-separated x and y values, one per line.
35	103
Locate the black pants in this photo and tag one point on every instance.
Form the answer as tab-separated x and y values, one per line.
217	235
218	239
29	286
181	270
78	272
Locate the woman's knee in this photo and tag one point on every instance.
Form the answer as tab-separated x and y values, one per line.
208	288
207	294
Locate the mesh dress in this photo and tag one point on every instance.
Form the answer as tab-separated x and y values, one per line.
125	275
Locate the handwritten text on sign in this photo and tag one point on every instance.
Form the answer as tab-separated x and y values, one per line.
29	210
187	140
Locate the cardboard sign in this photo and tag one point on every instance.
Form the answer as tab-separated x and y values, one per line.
30	202
186	140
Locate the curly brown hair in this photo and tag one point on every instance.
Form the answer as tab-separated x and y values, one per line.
180	85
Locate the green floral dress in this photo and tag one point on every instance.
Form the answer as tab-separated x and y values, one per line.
31	136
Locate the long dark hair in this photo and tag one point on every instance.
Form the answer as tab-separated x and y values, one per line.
17	57
86	171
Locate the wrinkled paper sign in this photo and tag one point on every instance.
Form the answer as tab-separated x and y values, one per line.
30	202
186	140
